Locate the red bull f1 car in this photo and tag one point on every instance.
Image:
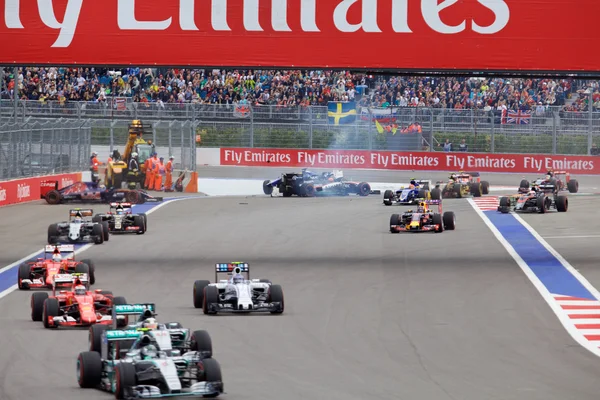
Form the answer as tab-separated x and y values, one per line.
75	307
423	219
92	192
39	274
309	184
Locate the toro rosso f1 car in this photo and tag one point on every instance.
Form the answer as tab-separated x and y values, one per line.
540	199
121	219
416	190
423	219
92	192
239	293
78	230
142	363
461	184
76	307
39	274
182	339
309	184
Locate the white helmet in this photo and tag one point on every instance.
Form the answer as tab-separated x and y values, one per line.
56	257
134	154
150	323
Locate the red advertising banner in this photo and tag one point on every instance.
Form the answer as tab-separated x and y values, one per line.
378	34
28	189
403	161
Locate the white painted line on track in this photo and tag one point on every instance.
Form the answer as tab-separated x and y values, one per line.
572	237
552	300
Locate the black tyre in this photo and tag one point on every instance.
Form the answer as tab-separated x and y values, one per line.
119	301
105	231
212	373
98	234
82	268
573	186
138	220
485	187
211	296
37	306
541	204
437	220
475	189
51	309
97	218
276	296
436	194
504	205
53	197
449	220
364	189
143	215
92	266
199	293
424	194
457	192
95	337
53	234
24	273
524	184
267	189
562	204
388	197
394	220
89	369
132	196
125	377
201	341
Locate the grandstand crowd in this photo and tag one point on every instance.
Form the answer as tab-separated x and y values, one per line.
292	88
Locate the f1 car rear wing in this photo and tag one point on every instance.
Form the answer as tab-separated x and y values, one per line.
132	309
231	268
69	278
124	205
84	212
117	334
59	249
434	202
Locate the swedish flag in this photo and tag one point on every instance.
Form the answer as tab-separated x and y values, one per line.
341	112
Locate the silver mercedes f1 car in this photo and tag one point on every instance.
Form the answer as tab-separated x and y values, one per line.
239	293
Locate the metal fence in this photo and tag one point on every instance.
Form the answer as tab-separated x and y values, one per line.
553	131
40	148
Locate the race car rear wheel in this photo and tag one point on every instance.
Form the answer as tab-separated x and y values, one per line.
436	194
37	305
97	218
105	230
364	189
95	337
211	296
53	233
138	220
485	187
119	301
98	233
437	220
267	189
201	341
92	266
211	372
89	369
449	220
199	293
82	268
573	186
132	196
562	204
394	220
51	309
524	184
541	204
276	296
53	197
388	197
24	273
504	205
475	189
125	377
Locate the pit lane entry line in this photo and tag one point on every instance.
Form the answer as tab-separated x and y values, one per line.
8	274
574	300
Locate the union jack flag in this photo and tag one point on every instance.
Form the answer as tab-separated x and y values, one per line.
516	117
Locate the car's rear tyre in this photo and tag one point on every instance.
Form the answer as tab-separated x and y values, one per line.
504	205
95	337
436	194
24	273
53	197
524	184
199	292
212	373
97	218
562	204
211	296
105	230
449	220
89	369
92	266
201	341
573	186
125	377
51	309
53	233
394	220
364	189
424	194
37	306
132	196
475	189
267	189
143	215
98	233
485	187
138	220
82	268
541	204
437	220
276	296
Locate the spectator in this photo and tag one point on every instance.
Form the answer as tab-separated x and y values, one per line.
463	146
594	151
447	146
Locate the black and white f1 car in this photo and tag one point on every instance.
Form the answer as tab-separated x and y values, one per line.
121	219
239	293
309	184
78	230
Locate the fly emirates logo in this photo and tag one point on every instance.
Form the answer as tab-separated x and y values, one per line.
370	19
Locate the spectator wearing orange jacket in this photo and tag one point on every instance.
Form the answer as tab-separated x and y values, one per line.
169	178
159	173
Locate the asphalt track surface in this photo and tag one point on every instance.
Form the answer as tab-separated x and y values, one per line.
368	314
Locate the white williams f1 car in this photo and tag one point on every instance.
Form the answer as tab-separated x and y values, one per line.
78	230
239	293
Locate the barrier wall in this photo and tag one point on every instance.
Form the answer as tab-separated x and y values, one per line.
28	189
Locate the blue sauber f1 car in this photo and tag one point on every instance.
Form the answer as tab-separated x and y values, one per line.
310	184
417	189
92	192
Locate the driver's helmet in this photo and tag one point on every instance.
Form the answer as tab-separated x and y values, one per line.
550	174
56	257
120	210
238	278
421	208
80	290
150	323
548	177
149	351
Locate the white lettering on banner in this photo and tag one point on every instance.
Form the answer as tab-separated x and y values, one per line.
126	20
490	162
379	159
414	161
551	163
23	191
2	194
304	158
340	159
531	162
265	157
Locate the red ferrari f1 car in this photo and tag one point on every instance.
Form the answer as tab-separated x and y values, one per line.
37	274
75	307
